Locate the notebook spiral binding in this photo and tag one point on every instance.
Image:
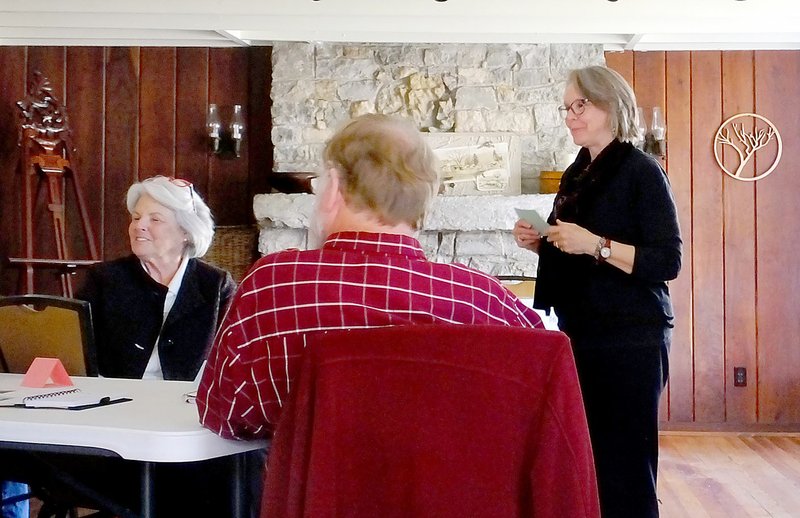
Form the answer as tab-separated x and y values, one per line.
51	394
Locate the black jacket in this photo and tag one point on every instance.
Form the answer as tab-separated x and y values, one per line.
623	195
127	308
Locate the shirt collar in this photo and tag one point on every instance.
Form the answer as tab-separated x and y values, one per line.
177	280
380	243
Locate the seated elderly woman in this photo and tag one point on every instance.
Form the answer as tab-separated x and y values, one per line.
155	312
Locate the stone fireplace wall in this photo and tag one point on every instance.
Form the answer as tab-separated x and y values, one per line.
461	88
476	88
471	230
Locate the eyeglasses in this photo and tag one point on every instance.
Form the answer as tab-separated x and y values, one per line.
578	106
180	182
315	184
319	182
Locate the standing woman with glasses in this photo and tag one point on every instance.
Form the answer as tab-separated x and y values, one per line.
155	311
604	262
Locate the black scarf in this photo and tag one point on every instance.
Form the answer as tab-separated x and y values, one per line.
583	178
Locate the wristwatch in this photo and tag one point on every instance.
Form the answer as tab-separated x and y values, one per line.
604	250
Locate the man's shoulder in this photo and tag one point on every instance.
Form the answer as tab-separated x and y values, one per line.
458	269
268	264
287	255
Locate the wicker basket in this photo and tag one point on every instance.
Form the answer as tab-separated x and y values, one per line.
234	248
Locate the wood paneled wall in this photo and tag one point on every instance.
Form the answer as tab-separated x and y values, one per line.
141	111
136	112
737	297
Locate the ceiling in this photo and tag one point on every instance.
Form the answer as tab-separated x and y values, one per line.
618	25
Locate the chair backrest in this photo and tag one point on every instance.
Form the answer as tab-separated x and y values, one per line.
46	326
433	420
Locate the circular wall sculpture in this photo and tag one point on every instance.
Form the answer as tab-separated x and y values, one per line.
747	134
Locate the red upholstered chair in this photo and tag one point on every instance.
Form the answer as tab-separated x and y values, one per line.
433	420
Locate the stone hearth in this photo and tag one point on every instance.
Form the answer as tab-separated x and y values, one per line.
472	230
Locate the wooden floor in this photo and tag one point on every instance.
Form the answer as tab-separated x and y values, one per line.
729	475
704	475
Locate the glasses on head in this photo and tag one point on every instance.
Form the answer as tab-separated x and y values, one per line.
578	106
180	182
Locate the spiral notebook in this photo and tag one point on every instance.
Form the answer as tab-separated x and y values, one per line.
70	399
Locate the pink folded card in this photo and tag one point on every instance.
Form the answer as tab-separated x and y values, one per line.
46	372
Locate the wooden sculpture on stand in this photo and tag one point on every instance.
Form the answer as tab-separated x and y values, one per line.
45	161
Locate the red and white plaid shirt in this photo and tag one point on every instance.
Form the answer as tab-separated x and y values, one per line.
356	280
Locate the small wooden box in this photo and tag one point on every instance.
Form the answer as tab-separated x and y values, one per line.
549	181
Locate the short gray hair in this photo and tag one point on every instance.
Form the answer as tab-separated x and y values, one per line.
608	90
385	166
191	212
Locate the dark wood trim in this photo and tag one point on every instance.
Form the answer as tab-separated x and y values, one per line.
291	182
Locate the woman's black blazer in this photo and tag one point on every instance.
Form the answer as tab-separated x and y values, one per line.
127	310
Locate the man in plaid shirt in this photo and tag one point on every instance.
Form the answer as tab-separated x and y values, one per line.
378	181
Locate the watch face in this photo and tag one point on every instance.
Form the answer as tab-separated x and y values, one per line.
605	252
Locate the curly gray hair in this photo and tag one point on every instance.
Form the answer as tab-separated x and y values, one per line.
191	212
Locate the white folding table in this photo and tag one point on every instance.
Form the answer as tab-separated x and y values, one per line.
156	426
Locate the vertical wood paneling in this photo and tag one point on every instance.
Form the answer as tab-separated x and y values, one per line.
740	264
649	81
117	104
622	62
85	103
12	88
708	265
736	298
228	178
259	144
122	143
735	295
679	169
777	76
157	112
50	61
191	156
649	84
719	298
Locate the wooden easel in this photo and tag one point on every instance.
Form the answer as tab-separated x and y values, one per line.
45	161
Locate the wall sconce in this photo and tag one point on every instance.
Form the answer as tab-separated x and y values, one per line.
654	140
225	141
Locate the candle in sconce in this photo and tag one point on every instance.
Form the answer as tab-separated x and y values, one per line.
658	127
641	125
213	126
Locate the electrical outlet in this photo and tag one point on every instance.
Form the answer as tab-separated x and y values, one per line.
739	377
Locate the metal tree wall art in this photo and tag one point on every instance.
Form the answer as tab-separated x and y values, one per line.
748	133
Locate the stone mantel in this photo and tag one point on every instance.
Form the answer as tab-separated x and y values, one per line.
472	230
